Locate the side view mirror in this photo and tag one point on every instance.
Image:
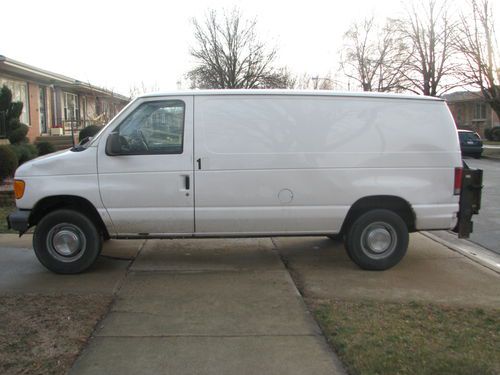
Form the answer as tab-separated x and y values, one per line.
113	145
85	141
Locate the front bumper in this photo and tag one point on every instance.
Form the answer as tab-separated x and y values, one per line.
19	220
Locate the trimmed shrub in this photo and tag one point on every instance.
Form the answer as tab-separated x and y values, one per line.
15	110
8	162
14	129
5	98
24	152
45	148
18	133
12	123
495	133
89	131
487	134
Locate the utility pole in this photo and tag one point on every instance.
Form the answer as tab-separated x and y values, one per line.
317	79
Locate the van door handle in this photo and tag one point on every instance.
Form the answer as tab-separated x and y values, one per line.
199	163
187	182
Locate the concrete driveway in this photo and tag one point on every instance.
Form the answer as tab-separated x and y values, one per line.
230	306
429	272
20	271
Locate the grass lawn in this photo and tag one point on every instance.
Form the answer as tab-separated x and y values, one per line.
495	143
4	211
412	338
44	334
491	153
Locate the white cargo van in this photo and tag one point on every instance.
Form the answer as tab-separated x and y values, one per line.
370	168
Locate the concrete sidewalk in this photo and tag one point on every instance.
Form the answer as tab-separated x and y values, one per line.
211	307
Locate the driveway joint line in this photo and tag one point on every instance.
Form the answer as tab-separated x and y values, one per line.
98	324
207	336
197	272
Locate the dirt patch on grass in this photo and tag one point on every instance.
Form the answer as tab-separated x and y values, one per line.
411	338
44	334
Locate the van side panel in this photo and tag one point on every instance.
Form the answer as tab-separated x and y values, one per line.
291	164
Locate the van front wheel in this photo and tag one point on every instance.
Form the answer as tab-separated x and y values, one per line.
377	240
66	241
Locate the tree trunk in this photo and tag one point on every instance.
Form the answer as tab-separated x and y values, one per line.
495	106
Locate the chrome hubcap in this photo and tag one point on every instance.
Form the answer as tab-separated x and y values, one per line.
378	240
66	242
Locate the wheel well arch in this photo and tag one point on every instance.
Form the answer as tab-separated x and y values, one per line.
393	203
55	202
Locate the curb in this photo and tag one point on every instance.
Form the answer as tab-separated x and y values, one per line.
474	252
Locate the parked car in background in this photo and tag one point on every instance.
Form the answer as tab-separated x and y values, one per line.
470	143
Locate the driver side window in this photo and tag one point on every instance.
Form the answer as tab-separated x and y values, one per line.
154	128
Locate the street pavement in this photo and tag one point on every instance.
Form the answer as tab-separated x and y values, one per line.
230	306
487	224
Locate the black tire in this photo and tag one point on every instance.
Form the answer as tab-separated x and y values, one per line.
393	239
66	241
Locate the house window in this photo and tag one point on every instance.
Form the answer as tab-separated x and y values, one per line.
19	94
460	114
105	108
71	108
84	110
480	111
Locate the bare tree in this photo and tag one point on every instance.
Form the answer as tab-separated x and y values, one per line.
307	81
139	89
230	55
281	78
477	42
429	30
375	57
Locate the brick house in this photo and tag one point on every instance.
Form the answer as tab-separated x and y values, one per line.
471	111
55	104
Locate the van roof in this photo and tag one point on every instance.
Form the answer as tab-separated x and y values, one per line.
291	93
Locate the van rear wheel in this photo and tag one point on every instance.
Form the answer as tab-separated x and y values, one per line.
66	241
377	240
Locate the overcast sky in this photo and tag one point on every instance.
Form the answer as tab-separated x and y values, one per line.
118	44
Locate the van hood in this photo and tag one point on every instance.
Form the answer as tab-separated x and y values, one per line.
65	162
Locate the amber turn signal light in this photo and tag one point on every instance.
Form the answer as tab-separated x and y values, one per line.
19	186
